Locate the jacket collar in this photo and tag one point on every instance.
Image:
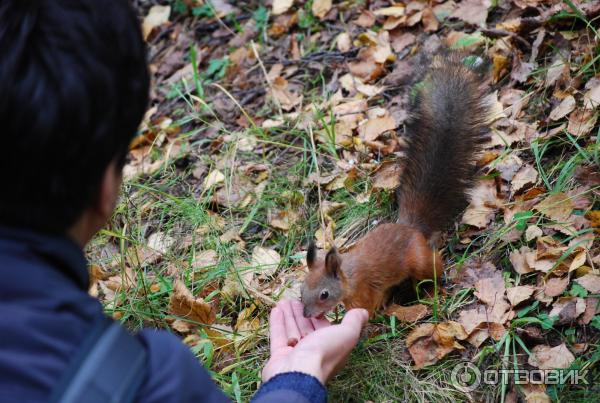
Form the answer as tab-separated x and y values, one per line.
64	253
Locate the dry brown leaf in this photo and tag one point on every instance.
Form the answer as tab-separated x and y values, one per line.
558	69
408	314
484	203
474	12
281	93
387	176
430	22
265	260
281	6
527	175
581	122
428	343
157	16
490	290
401	41
591	99
578	261
393	11
557	206
533	232
592	308
215	177
375	127
205	259
567	309
523	260
320	8
590	282
546	357
366	19
555	286
518	294
282	219
344	42
195	309
563	109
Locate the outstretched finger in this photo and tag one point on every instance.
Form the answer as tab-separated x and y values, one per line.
291	328
277	333
320	323
304	324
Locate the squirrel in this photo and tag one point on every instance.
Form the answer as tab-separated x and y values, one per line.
445	130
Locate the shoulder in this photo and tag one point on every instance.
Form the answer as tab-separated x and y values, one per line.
174	374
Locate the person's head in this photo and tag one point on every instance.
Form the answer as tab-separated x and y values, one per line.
73	90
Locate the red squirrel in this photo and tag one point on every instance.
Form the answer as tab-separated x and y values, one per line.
445	130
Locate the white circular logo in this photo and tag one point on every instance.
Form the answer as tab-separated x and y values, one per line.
466	377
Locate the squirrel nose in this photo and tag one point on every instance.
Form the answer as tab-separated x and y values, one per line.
306	313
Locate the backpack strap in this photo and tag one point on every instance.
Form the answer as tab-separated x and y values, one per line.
110	366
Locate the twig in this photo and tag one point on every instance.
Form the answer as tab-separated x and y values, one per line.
498	33
264	70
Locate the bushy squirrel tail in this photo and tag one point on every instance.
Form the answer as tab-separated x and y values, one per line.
447	126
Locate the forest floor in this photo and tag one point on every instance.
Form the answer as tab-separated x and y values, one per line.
274	123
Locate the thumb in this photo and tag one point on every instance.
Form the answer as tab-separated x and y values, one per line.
355	319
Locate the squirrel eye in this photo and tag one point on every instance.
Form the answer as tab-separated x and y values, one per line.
324	294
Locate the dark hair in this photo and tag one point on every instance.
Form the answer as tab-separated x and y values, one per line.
73	90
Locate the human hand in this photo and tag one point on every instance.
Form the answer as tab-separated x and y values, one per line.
308	345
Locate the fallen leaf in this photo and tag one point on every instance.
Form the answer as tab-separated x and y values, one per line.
394	11
215	177
533	232
581	122
283	96
591	99
590	282
430	22
344	43
546	357
320	8
592	308
375	127
578	261
195	309
472	271
408	314
160	242
474	12
281	6
484	203
523	260
157	16
567	310
387	176
490	290
282	219
428	343
563	109
557	206
399	42
366	19
555	286
265	260
518	294
527	175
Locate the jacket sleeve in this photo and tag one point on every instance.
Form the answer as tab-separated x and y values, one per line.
291	387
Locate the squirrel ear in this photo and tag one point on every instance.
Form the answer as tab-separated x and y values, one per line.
311	254
333	262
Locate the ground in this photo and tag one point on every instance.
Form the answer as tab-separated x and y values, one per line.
275	123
